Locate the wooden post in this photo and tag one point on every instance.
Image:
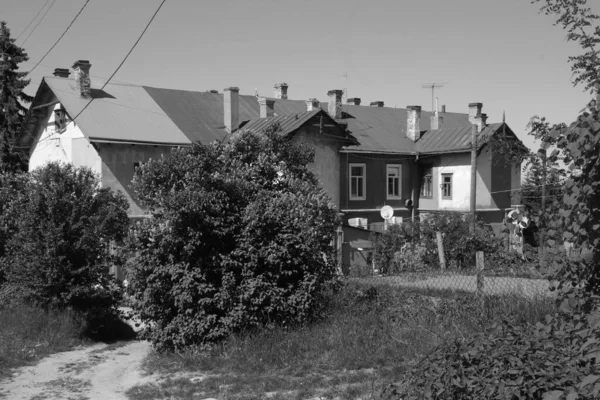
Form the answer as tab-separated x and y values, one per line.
473	174
480	268
440	245
339	250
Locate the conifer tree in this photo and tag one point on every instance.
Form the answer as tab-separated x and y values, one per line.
12	101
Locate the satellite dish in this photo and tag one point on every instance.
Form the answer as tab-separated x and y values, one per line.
387	212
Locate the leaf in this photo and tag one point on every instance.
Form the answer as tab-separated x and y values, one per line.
553	395
588	380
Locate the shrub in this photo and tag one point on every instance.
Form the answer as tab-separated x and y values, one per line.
241	237
60	224
413	246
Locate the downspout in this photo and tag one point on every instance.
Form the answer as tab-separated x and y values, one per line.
414	186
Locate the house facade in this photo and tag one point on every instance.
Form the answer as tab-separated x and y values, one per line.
366	157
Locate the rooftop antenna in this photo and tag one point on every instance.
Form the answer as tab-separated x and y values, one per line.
432	86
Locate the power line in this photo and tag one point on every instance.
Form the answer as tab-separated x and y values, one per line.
61	36
33	19
38	23
126	56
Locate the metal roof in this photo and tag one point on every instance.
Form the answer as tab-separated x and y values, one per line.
131	113
453	139
287	123
118	113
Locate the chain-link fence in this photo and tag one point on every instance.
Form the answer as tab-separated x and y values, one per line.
484	283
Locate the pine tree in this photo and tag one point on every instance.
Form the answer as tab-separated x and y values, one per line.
12	98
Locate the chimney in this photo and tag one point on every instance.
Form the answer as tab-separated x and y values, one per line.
281	90
313	104
443	108
353	100
483	120
83	85
413	122
335	103
231	108
376	104
61	72
267	107
436	121
475	115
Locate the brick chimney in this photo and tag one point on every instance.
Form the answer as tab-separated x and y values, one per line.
61	72
281	90
483	120
376	104
267	107
81	74
475	115
353	100
443	108
413	122
231	108
313	104
335	103
436	121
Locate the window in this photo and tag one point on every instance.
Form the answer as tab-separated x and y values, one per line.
446	186
357	182
60	120
427	182
394	172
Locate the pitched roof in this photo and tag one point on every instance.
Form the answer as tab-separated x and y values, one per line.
133	113
118	113
453	139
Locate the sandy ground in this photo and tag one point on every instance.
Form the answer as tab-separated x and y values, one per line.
97	372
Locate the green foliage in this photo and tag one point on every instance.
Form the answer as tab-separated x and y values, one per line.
12	97
413	246
241	237
57	225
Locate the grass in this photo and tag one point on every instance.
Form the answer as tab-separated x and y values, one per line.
27	334
372	335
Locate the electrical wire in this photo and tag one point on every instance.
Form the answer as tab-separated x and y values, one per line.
61	36
33	19
124	59
38	23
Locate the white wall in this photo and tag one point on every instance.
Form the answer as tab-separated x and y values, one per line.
70	146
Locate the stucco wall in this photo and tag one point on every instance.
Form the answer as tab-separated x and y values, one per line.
69	146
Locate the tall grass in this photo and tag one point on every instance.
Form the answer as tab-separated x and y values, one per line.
28	334
370	334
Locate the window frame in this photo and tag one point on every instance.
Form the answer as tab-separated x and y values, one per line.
364	181
389	196
442	184
426	168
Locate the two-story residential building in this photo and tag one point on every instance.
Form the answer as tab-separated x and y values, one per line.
365	156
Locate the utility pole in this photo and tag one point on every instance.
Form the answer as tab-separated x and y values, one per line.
473	175
432	86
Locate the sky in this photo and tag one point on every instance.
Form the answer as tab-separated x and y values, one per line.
503	54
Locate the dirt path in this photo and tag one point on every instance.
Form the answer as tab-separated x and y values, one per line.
97	372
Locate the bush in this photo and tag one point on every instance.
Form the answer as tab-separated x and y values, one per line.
241	237
556	359
60	224
412	246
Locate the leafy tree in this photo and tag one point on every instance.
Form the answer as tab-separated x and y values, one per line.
241	237
58	225
12	98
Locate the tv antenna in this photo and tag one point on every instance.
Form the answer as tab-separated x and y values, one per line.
432	86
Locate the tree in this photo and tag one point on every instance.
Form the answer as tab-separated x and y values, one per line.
241	237
531	188
57	225
12	98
